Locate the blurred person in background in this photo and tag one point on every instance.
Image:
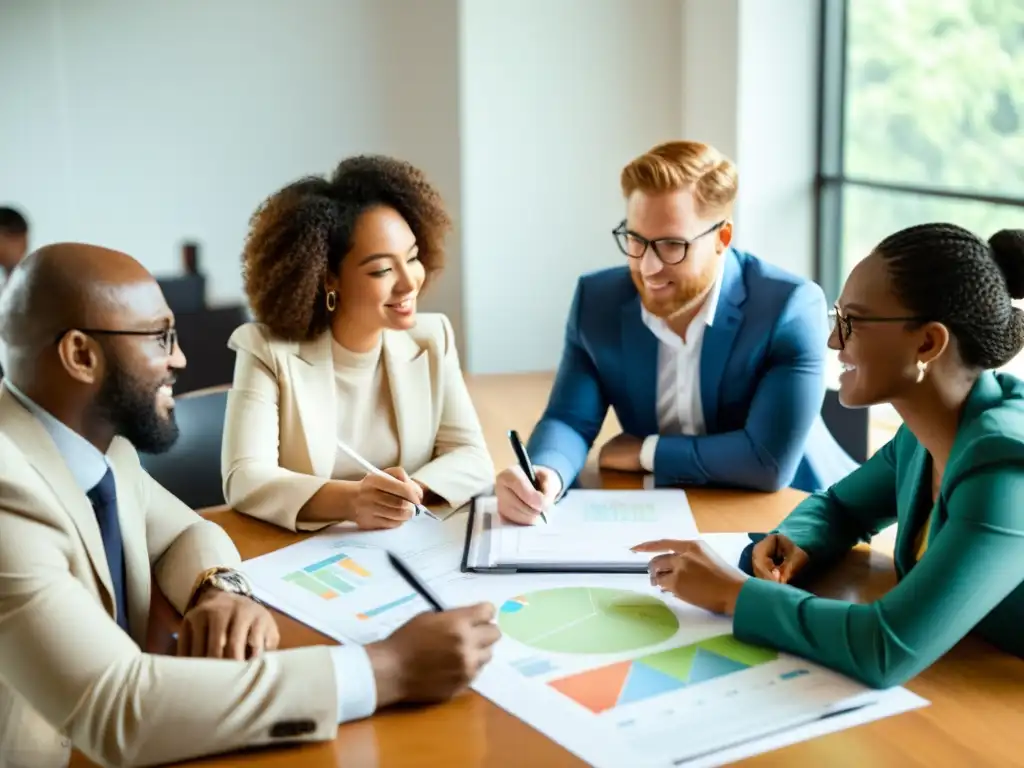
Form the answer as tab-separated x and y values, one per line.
13	241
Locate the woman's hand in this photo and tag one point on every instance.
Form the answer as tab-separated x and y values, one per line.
385	502
777	558
693	572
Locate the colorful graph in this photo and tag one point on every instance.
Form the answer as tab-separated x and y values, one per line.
369	614
587	620
329	578
627	682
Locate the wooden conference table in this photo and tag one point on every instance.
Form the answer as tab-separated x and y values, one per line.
975	717
976	693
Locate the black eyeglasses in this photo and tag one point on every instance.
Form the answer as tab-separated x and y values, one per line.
842	323
167	337
670	250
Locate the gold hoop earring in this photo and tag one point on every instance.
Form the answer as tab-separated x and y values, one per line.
332	300
922	367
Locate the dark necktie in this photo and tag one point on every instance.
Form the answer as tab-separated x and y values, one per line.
104	501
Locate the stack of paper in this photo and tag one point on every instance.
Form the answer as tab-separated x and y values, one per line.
588	531
602	663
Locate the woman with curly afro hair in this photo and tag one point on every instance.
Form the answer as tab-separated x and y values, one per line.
339	372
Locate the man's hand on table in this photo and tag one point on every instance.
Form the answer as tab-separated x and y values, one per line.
223	625
435	656
621	453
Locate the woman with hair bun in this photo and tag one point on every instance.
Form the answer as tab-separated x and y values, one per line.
920	324
340	372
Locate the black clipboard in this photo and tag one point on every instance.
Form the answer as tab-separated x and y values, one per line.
465	567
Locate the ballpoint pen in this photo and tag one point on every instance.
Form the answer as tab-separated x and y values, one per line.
524	463
420	509
415	582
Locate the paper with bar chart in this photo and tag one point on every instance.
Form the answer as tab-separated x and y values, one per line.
621	675
341	583
587	530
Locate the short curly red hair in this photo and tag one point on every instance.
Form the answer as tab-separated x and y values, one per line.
302	232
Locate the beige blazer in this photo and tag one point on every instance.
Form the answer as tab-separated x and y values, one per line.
280	430
69	676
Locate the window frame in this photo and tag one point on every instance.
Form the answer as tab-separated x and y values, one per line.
831	179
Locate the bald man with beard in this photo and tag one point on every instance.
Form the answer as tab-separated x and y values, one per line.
91	360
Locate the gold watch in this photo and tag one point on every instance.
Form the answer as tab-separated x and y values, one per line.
224	579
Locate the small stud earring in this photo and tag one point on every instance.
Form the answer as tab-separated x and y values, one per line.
332	300
922	366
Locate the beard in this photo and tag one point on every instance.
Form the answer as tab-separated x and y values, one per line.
688	291
129	405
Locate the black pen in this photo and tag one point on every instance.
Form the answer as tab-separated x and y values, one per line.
415	582
524	463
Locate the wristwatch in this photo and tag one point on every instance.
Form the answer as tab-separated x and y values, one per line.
224	579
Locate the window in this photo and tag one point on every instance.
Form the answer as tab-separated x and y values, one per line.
922	120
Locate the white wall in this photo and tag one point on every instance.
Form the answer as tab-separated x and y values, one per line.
136	125
557	95
777	114
750	87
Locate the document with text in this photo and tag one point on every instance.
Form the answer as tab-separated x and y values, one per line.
587	531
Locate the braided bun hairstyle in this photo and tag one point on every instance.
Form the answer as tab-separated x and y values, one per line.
947	274
300	234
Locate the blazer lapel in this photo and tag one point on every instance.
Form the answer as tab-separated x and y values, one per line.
719	338
40	451
640	366
913	511
136	553
910	514
407	367
313	381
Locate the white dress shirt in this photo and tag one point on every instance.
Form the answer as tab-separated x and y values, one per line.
353	674
679	407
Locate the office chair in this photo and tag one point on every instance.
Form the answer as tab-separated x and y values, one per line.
203	337
184	293
191	468
849	426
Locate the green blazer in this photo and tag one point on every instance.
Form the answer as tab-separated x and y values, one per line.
970	577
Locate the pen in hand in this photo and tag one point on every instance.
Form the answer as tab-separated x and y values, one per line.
420	509
415	582
525	464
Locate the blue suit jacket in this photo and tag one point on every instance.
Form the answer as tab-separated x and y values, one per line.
762	383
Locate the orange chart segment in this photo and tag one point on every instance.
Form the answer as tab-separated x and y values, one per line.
351	565
655	674
598	689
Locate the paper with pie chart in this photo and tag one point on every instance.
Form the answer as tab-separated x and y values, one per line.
590	620
622	676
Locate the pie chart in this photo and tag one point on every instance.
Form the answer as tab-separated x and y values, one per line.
587	620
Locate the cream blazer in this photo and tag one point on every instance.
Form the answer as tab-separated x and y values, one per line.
70	677
280	430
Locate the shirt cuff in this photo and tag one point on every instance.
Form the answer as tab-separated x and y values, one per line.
353	675
561	484
647	450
